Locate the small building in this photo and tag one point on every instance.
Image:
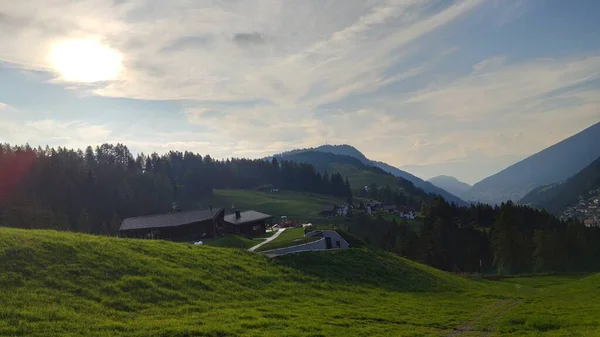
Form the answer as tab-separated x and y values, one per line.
407	213
375	206
329	210
390	209
333	240
249	223
175	226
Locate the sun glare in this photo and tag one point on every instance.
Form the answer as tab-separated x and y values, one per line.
85	61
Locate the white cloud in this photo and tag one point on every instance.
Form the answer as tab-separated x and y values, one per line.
308	52
265	76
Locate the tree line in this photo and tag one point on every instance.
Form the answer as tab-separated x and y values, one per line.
94	189
403	194
504	239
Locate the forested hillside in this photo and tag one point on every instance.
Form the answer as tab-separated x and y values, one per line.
382	186
350	151
505	239
92	190
555	198
359	174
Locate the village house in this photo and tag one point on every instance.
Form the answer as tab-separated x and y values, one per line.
407	213
390	209
590	222
176	226
329	210
249	223
332	210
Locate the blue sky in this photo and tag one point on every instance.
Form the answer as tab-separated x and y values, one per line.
462	88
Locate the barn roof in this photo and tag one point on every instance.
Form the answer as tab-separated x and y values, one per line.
328	208
169	219
246	216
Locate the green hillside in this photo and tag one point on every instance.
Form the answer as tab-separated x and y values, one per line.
358	177
65	284
295	205
358	173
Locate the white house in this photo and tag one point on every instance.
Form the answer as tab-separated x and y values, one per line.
410	215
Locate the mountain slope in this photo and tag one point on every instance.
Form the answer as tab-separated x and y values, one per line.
358	173
347	150
420	183
552	165
450	184
555	198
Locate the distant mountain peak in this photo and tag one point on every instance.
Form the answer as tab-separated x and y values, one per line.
351	151
450	184
551	165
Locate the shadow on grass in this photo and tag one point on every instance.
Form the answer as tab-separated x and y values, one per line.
368	267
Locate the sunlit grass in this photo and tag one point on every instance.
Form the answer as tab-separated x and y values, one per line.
64	284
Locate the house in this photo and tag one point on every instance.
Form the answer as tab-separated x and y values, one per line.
407	213
329	210
249	223
333	240
375	206
589	222
176	226
390	209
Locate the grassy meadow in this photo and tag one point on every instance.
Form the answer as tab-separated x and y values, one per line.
359	178
231	241
289	237
65	284
295	205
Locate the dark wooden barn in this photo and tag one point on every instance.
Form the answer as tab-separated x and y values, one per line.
249	223
176	226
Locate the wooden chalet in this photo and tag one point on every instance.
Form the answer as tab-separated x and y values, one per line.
176	226
249	223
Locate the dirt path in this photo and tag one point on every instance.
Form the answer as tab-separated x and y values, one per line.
273	237
493	312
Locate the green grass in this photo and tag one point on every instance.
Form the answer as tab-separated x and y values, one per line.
289	237
64	284
231	241
296	205
359	178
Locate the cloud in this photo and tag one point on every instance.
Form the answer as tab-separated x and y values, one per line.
339	49
263	76
245	39
3	106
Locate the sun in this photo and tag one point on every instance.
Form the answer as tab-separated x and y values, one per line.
85	61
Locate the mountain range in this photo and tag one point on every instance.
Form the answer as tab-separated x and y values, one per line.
450	184
552	165
349	151
557	197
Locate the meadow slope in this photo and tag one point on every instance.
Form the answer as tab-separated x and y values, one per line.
65	284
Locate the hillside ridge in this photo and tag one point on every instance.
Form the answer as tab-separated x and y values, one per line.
351	151
551	165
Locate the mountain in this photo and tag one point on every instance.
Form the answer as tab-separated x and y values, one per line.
552	165
450	184
557	197
358	173
350	151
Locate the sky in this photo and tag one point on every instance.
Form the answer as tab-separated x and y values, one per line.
461	88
